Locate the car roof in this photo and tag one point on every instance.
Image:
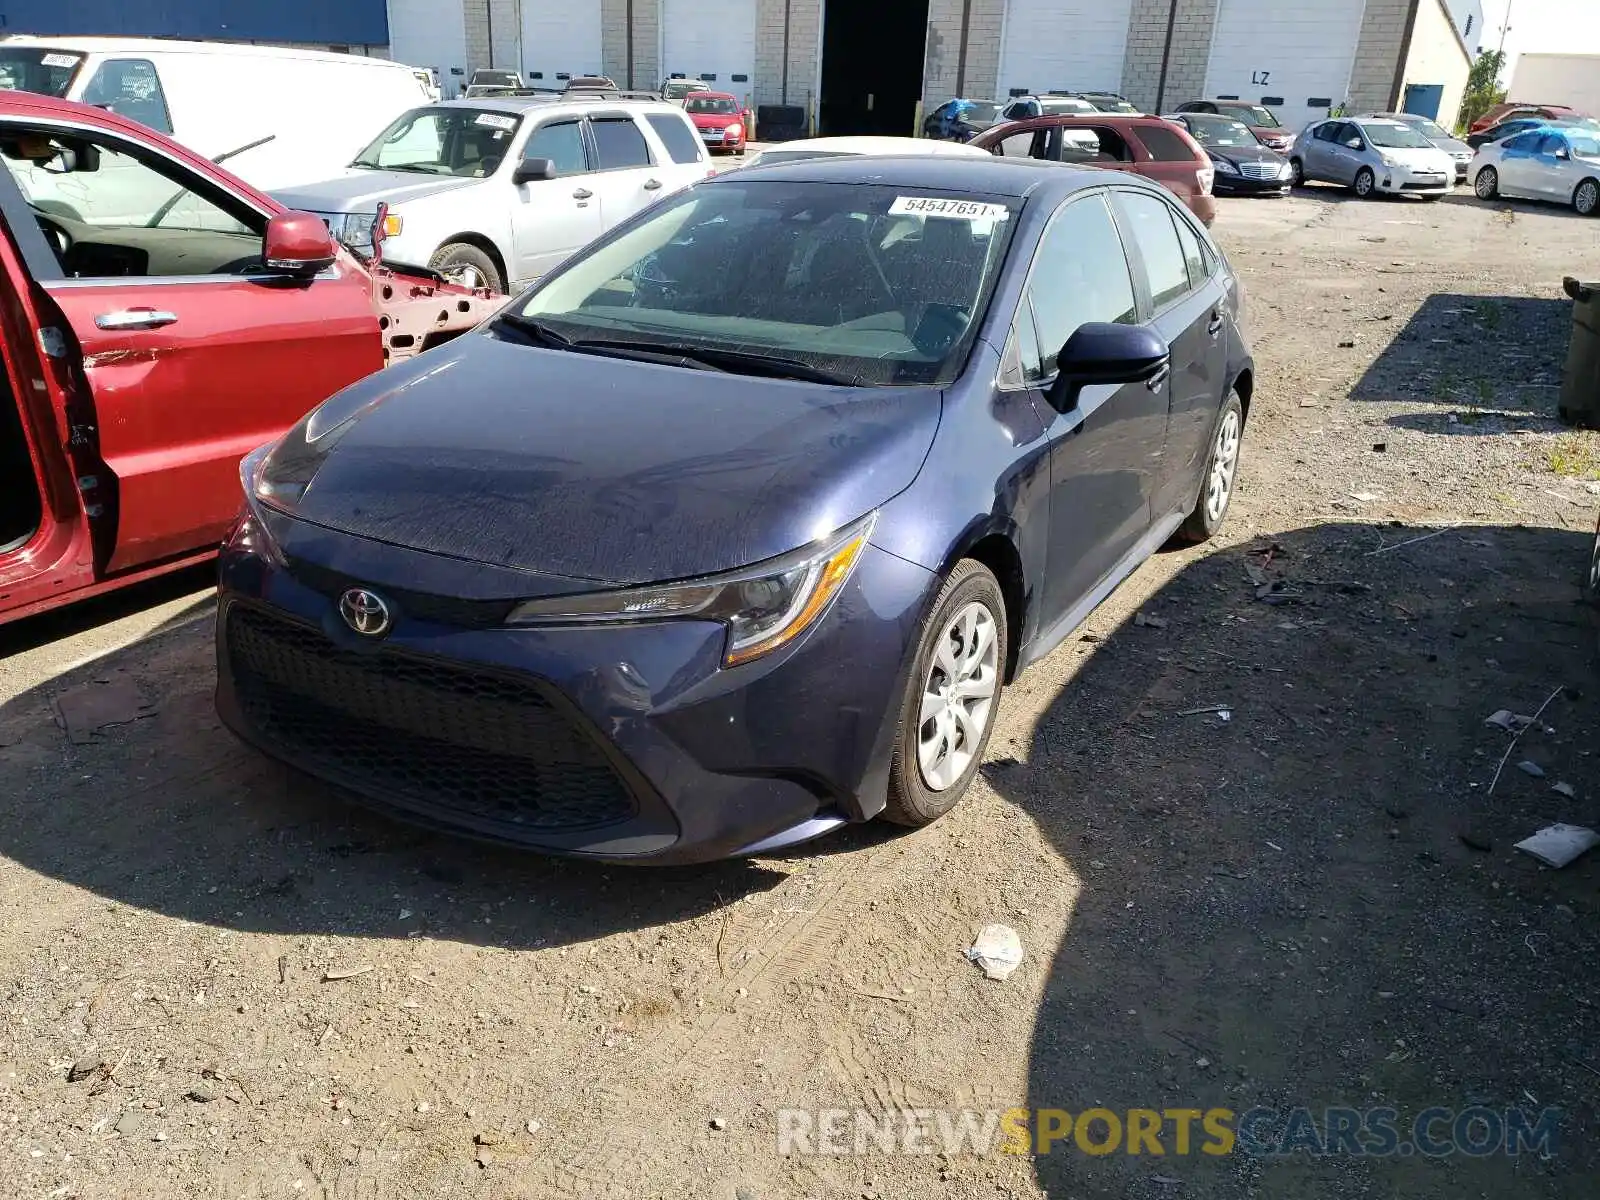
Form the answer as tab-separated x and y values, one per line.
882	145
708	94
517	105
979	175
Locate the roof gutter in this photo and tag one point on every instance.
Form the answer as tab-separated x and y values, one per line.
1395	92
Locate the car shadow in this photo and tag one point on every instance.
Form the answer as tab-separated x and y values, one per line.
1513	208
30	633
1296	885
165	810
1456	349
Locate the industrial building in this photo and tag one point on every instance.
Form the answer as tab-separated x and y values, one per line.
865	67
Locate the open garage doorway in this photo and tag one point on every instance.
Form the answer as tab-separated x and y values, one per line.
872	59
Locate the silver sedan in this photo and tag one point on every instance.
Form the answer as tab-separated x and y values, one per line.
1561	165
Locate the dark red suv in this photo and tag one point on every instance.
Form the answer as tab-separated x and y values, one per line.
1148	146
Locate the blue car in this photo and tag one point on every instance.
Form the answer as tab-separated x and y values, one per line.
731	530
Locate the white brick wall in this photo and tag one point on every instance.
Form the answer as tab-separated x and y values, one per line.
805	28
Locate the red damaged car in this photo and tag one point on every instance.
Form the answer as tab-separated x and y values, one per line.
720	119
159	319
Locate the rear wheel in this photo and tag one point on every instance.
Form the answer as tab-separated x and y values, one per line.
1366	183
465	264
1221	475
1487	185
1586	199
952	695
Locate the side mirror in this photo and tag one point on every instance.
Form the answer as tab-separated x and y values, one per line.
533	170
1356	144
298	244
1102	353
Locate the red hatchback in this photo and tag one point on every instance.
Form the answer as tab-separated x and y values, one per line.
162	320
720	119
1148	146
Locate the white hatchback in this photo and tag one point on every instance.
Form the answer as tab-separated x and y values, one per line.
1558	164
497	192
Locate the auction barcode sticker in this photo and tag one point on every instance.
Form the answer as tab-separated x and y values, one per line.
59	60
496	121
942	206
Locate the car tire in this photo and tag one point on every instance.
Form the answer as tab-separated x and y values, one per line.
1366	183
1220	480
964	643
1586	198
1297	176
1486	185
1591	585
465	264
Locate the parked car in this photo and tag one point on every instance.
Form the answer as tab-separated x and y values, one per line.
590	83
720	119
1263	122
858	441
1460	153
961	120
1514	109
1371	157
274	116
677	90
494	193
1021	108
1109	102
145	352
1244	166
1148	146
857	147
1561	166
490	82
1505	129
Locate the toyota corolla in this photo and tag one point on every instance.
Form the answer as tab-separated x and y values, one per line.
731	531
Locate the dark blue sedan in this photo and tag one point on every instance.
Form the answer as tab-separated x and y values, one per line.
731	531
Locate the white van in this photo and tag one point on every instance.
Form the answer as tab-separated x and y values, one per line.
274	117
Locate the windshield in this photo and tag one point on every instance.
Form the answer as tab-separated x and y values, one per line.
466	142
679	88
31	69
870	283
1583	145
1393	136
712	106
1250	114
1065	105
1428	129
978	112
1221	131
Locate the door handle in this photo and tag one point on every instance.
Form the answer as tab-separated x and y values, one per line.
135	318
652	185
1216	325
1159	380
583	194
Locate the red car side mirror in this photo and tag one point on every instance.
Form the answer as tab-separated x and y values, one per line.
298	243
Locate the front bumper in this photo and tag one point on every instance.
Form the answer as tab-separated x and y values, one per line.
1240	185
626	743
1404	181
718	139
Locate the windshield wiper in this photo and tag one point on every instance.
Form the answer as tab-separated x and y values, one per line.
698	358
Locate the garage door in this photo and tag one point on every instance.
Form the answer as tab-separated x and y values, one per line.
1064	45
1299	53
559	37
425	33
701	40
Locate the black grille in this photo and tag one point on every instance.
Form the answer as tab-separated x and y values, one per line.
466	746
443	610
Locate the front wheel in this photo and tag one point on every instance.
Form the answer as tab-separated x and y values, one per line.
465	264
1487	185
1586	199
1221	474
1366	182
1297	173
1591	586
952	695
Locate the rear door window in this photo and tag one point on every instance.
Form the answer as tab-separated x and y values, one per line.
1165	145
130	88
1553	143
619	144
1150	221
562	143
680	140
1527	143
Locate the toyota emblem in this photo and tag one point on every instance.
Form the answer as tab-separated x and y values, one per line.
365	612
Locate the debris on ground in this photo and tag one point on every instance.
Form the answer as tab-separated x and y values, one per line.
1559	845
997	951
1509	721
335	974
83	1068
1224	711
1146	622
719	1123
1529	767
1565	789
86	710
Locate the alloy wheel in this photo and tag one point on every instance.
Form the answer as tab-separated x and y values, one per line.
1224	463
1365	182
1297	173
1587	198
1487	183
958	696
466	275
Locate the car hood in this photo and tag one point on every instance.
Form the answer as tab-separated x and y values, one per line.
714	120
360	190
608	470
1275	133
1451	146
1244	154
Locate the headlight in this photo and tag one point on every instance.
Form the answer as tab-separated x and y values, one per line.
355	229
734	130
1286	171
765	607
1387	161
1224	166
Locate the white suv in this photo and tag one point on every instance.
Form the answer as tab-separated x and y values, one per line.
496	192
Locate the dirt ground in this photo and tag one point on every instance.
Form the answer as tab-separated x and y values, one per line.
1313	902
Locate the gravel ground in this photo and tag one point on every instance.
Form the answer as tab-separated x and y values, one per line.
216	979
